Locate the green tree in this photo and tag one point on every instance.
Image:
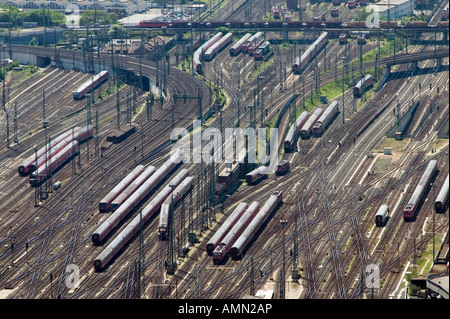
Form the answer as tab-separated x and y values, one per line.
33	42
117	31
90	17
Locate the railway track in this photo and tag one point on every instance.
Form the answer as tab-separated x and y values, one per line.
192	274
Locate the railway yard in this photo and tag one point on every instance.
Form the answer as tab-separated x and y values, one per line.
356	209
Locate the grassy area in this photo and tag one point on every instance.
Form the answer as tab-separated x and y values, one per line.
260	68
439	143
425	262
386	49
396	145
382	165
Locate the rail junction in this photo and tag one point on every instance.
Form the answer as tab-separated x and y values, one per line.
315	243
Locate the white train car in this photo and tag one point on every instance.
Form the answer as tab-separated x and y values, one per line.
237	47
198	54
172	200
256	223
105	203
135	225
442	198
115	218
417	196
305	132
225	228
218	46
310	53
380	216
325	119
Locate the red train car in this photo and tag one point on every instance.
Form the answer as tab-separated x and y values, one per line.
222	250
252	48
29	165
416	24
283	167
105	202
79	93
40	174
276	12
362	85
226	227
352	4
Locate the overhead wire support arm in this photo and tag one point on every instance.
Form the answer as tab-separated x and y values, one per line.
186	97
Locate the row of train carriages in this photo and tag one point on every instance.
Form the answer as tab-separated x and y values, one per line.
46	160
57	151
89	85
139	186
309	125
251	44
236	233
417	198
317	21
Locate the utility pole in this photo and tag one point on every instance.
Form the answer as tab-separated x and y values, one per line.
16	138
7	127
252	277
343	91
197	97
171	235
283	223
97	142
88	122
118	103
45	125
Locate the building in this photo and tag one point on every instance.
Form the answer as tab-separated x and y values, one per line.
123	46
122	7
394	9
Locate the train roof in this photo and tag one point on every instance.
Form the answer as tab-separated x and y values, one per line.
219	43
242	40
327	111
91	80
